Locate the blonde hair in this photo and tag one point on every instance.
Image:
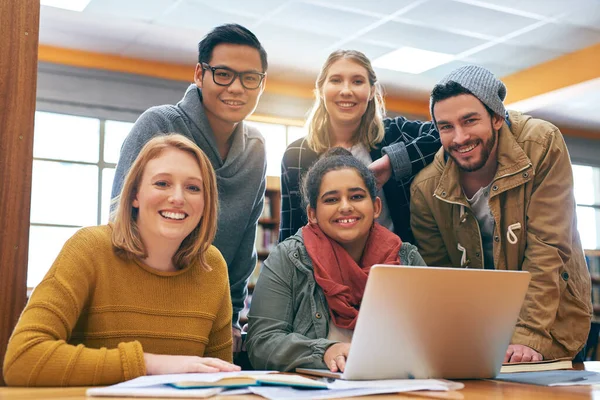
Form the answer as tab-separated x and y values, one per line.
126	236
370	132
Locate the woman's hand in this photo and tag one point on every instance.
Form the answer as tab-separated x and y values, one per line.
382	169
335	356
160	364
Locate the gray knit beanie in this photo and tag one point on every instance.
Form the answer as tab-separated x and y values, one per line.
482	83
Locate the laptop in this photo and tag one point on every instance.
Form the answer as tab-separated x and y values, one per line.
428	322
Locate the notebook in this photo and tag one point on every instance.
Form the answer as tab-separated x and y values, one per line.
427	322
252	380
546	365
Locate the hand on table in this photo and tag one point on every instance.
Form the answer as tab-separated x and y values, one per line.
520	353
335	356
160	364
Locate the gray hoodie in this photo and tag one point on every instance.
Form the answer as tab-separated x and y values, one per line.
240	179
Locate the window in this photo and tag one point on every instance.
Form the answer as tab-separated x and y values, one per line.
277	138
73	167
587	196
74	160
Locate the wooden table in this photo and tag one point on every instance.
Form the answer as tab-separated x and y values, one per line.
473	390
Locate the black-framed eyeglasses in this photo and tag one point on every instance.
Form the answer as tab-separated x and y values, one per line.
224	76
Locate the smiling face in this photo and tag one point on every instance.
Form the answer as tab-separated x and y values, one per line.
345	211
225	106
346	92
170	198
467	131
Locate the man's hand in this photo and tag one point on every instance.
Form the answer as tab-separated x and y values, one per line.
160	364
519	353
236	335
382	169
335	356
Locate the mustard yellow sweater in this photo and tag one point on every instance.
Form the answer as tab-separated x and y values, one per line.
94	315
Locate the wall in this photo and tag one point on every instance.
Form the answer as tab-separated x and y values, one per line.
120	96
583	151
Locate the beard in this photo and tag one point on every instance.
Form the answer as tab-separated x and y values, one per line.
486	150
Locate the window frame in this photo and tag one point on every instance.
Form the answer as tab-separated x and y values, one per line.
596	205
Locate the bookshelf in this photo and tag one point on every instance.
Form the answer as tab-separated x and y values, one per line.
593	260
267	230
592	257
267	233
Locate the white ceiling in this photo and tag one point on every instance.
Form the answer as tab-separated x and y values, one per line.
505	36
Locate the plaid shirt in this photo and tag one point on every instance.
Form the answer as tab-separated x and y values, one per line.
410	145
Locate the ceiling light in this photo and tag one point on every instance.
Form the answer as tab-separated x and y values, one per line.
73	5
411	60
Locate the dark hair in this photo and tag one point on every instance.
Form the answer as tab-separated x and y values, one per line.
334	159
231	34
452	89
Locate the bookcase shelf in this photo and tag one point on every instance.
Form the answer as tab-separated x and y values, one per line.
592	257
592	253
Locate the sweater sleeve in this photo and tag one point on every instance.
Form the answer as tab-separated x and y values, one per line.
412	145
245	258
39	353
292	216
286	222
219	339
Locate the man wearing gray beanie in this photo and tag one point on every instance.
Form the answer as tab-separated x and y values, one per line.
499	195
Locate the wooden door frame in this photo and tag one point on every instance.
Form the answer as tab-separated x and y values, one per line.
19	32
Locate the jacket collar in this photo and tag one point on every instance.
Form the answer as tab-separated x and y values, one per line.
511	160
296	245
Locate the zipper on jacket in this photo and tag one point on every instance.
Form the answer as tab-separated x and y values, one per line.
514	226
461	248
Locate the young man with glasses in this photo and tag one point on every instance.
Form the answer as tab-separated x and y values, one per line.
229	78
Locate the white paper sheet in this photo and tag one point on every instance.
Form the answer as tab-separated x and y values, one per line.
405	385
151	391
339	389
151	380
155	385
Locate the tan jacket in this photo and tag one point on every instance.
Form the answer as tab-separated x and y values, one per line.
531	199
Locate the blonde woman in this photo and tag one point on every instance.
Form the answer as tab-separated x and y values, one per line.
349	112
147	294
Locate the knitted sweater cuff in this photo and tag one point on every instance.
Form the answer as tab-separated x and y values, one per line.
132	360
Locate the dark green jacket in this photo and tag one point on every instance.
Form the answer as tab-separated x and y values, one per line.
289	316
